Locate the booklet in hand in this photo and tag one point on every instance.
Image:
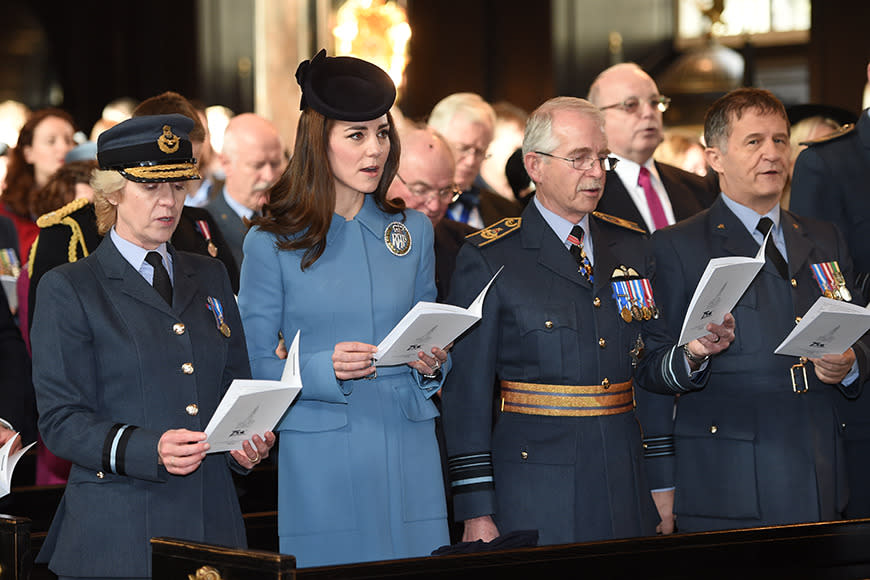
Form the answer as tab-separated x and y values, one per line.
829	327
428	324
252	407
7	463
721	285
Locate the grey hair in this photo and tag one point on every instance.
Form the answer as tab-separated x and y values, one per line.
539	128
471	106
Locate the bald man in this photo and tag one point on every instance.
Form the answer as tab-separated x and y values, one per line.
252	159
641	190
425	182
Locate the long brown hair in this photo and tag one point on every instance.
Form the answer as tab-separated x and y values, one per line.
61	187
20	178
302	201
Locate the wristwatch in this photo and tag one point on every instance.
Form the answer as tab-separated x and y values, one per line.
694	358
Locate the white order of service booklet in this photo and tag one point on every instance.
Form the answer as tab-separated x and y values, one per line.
721	285
428	324
9	284
8	461
829	327
252	407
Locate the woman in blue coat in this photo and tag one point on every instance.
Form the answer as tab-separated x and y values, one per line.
131	355
359	469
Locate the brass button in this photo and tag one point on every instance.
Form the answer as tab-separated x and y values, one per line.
797	319
548	324
602	343
100	475
714	429
192	409
178	328
187	368
842	425
793	283
596	302
524	454
605	383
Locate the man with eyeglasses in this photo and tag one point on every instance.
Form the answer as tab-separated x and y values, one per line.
561	328
467	122
425	183
642	190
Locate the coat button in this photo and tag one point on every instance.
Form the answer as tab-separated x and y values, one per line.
797	319
524	454
602	343
187	368
100	475
178	328
793	283
192	409
714	429
596	302
548	324
605	383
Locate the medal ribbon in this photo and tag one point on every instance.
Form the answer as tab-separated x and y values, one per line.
621	294
824	277
9	262
202	228
217	309
648	293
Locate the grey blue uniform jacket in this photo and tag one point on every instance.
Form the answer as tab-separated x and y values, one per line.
572	478
749	450
114	368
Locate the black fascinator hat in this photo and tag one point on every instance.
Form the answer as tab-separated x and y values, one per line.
345	88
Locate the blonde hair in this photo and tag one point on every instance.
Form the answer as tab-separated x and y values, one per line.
105	185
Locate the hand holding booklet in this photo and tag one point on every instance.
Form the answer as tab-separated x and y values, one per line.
8	461
252	407
829	327
428	324
721	285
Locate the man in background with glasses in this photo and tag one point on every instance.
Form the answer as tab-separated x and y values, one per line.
425	183
651	194
467	122
561	328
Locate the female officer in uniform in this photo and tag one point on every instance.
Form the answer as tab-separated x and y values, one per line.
359	469
133	348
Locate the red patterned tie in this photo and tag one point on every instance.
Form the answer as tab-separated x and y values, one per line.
652	199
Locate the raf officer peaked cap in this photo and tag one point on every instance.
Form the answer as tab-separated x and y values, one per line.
149	148
345	88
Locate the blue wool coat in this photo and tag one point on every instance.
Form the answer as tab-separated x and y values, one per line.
359	468
108	351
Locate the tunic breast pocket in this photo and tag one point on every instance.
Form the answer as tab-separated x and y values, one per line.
549	337
747	318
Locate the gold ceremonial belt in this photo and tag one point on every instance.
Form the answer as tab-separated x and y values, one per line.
566	400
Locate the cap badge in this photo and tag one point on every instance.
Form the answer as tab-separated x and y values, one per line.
168	142
397	238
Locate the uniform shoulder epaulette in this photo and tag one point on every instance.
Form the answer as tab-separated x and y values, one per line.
496	231
844	130
53	218
618	221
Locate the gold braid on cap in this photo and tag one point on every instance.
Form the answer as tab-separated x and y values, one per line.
186	170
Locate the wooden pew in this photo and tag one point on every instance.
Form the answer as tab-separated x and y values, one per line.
16	558
836	550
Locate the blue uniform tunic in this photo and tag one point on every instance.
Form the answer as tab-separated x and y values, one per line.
359	468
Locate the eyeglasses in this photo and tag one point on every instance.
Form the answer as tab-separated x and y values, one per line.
632	104
464	150
586	163
426	192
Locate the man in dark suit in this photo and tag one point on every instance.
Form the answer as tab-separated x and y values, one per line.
425	183
563	453
252	159
467	122
832	181
760	444
642	190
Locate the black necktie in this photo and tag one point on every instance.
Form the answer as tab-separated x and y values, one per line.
770	251
160	281
575	238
